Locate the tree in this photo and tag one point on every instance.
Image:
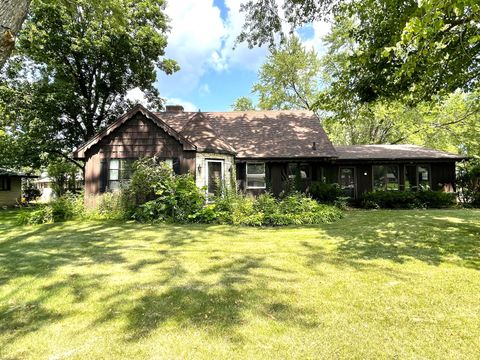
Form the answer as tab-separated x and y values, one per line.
289	78
12	15
404	48
76	62
243	103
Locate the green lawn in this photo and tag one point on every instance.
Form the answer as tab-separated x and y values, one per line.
379	284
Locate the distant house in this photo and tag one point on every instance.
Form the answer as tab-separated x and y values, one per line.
10	187
261	151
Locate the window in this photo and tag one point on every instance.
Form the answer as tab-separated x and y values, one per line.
417	177
385	177
119	172
256	176
347	181
423	177
302	170
4	183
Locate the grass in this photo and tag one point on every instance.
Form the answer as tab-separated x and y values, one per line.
378	284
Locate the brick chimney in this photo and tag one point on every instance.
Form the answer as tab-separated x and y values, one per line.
174	108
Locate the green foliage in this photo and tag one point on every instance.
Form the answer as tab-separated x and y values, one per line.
63	173
76	61
156	194
266	210
289	77
468	183
149	177
325	193
243	103
407	200
66	207
402	48
111	206
42	214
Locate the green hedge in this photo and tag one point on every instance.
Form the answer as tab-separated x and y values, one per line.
407	200
325	193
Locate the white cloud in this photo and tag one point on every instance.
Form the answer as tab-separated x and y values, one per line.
241	55
196	34
137	95
200	41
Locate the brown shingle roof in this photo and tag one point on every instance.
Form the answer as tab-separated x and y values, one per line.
199	131
264	134
392	152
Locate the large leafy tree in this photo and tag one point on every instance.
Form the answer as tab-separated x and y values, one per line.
403	48
76	61
289	78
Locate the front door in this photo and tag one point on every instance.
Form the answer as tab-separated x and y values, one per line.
347	181
214	176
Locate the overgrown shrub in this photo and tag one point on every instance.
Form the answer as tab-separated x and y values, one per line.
325	193
156	194
111	206
468	183
406	200
64	208
266	210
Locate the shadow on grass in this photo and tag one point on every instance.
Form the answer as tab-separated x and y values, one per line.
398	236
217	298
217	307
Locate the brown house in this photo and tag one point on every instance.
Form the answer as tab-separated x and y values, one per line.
260	151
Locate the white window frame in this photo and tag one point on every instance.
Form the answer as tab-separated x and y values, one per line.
222	162
256	176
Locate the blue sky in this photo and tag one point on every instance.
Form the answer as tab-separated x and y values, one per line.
213	74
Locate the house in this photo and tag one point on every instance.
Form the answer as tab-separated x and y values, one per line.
259	150
10	187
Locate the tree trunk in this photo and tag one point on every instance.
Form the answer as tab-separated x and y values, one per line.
12	14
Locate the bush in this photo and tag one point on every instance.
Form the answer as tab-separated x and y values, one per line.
170	197
39	215
266	210
406	200
155	194
110	206
325	193
436	199
468	183
64	208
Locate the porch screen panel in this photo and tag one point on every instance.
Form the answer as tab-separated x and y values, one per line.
385	177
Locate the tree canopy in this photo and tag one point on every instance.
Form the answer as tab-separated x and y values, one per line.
75	62
403	48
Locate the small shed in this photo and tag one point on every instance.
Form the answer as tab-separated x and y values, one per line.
10	187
